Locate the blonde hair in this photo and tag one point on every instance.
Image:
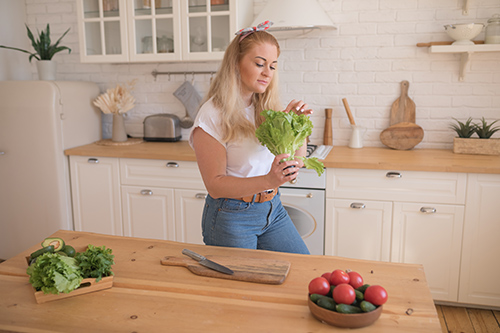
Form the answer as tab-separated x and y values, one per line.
226	89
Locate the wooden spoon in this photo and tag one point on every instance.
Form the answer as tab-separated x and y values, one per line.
402	136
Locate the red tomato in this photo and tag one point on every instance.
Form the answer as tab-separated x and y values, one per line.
319	285
356	280
344	294
339	276
327	275
376	295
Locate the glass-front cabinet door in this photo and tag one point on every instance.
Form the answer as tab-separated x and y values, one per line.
113	31
207	28
154	30
102	30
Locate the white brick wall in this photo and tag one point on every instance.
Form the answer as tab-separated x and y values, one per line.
364	60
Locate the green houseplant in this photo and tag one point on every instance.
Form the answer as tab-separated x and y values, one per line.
485	130
483	144
44	51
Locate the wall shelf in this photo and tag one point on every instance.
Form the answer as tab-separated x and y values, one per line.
466	52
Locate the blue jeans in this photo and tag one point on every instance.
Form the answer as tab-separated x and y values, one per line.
250	225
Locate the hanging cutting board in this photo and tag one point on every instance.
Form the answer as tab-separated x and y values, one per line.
402	136
403	109
245	269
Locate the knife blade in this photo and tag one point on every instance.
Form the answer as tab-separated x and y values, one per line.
207	262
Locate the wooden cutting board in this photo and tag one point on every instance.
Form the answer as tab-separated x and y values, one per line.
245	269
403	109
402	136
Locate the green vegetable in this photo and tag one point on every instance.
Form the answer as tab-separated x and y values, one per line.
284	133
327	303
367	306
69	250
57	243
54	274
95	262
47	249
344	308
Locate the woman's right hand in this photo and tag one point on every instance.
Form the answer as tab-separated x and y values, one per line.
282	172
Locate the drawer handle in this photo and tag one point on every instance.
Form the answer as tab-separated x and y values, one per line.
393	174
93	160
147	192
200	196
357	205
428	210
2	153
172	165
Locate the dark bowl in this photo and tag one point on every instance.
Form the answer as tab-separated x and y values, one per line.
355	320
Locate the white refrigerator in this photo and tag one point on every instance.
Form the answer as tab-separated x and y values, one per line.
38	121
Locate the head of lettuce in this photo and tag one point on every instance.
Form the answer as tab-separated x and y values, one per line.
284	133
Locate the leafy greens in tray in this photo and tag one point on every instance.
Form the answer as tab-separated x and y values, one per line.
53	273
284	133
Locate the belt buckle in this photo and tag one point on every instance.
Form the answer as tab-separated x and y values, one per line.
269	191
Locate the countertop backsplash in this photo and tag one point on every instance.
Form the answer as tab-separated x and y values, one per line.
364	60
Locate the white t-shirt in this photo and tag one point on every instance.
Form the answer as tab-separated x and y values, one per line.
246	157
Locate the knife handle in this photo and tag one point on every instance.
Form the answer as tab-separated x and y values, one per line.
191	254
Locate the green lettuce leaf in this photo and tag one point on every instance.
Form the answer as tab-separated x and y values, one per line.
53	274
284	133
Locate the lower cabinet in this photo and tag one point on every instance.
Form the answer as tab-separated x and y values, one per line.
358	230
138	198
430	235
148	212
95	190
480	270
417	218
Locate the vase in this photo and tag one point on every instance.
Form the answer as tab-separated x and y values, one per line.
118	134
46	70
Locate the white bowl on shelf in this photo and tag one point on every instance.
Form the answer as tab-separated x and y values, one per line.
463	33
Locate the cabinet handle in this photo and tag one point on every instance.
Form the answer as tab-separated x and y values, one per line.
93	160
200	196
357	205
147	192
393	174
172	165
428	210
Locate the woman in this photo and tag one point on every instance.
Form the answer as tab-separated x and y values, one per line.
243	208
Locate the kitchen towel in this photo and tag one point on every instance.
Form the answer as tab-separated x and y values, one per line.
189	97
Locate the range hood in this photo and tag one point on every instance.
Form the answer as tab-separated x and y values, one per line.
291	15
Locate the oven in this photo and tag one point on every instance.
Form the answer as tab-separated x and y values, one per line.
305	203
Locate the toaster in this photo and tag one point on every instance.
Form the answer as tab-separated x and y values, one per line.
162	127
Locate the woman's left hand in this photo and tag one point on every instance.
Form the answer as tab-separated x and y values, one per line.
299	107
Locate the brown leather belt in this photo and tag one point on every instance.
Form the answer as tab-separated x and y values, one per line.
261	196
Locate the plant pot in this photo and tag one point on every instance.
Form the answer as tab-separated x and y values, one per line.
476	146
118	134
46	70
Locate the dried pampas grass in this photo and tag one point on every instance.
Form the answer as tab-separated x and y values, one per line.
117	100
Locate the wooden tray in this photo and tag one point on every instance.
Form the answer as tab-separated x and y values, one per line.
86	286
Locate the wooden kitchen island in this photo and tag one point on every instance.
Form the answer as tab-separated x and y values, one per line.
149	297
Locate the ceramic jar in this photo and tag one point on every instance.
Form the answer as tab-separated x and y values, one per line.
492	34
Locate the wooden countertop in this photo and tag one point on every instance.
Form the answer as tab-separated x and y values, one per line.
149	297
438	160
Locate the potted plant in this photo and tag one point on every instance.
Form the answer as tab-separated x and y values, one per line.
482	145
44	51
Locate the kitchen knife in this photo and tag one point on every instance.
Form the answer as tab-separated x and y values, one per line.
207	263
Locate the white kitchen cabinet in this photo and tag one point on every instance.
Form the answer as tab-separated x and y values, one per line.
158	30
189	206
148	212
162	199
95	190
431	235
358	230
376	214
480	270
